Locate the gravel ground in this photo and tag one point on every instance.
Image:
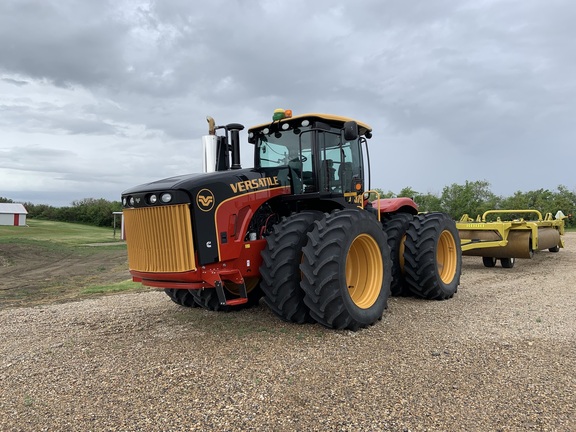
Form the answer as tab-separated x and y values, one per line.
500	355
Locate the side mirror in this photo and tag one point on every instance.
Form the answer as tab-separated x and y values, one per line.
350	131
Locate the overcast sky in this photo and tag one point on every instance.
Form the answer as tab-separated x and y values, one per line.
99	96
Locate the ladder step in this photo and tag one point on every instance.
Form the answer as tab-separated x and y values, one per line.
236	301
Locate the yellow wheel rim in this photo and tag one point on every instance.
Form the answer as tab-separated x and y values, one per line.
446	257
364	271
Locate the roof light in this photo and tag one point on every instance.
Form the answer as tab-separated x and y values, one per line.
280	114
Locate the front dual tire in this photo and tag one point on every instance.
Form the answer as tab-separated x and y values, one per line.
332	269
346	270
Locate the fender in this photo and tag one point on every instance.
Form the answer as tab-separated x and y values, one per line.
396	205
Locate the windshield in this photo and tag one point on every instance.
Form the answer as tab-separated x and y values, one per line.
282	147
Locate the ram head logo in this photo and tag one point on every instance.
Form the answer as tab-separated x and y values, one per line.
205	200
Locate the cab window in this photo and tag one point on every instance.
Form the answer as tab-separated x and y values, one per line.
340	163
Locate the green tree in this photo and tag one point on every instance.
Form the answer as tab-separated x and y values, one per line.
94	211
543	200
408	192
89	211
383	194
428	203
565	200
472	198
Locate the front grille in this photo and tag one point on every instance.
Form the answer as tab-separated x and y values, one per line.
159	239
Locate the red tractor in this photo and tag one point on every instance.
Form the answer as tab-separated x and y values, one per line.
297	229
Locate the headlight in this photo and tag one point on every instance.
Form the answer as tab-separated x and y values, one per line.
166	197
132	201
153	199
124	202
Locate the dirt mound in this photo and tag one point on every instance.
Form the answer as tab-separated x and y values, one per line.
31	274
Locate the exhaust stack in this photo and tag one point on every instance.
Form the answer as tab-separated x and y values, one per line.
209	147
216	149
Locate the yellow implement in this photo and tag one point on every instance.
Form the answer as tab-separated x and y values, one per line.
508	240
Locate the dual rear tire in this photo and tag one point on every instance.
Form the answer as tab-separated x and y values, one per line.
181	297
208	298
395	227
432	256
426	255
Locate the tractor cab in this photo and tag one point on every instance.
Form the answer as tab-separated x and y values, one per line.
322	153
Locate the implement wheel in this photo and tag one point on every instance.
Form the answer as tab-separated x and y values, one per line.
432	256
346	270
208	298
280	269
181	296
507	262
489	261
395	227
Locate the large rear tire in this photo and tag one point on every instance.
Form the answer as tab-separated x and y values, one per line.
181	297
432	256
208	298
346	270
395	227
280	269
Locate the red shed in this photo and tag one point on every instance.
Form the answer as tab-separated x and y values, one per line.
12	214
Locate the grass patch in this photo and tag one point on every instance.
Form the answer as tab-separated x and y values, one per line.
58	232
126	285
49	262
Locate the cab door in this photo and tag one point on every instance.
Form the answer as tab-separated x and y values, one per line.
340	164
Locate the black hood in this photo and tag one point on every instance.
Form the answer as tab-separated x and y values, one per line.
192	181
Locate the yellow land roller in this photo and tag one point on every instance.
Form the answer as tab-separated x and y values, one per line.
507	240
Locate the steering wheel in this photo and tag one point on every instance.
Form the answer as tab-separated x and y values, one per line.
300	159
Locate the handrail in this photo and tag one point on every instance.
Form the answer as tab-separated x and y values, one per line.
511	211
